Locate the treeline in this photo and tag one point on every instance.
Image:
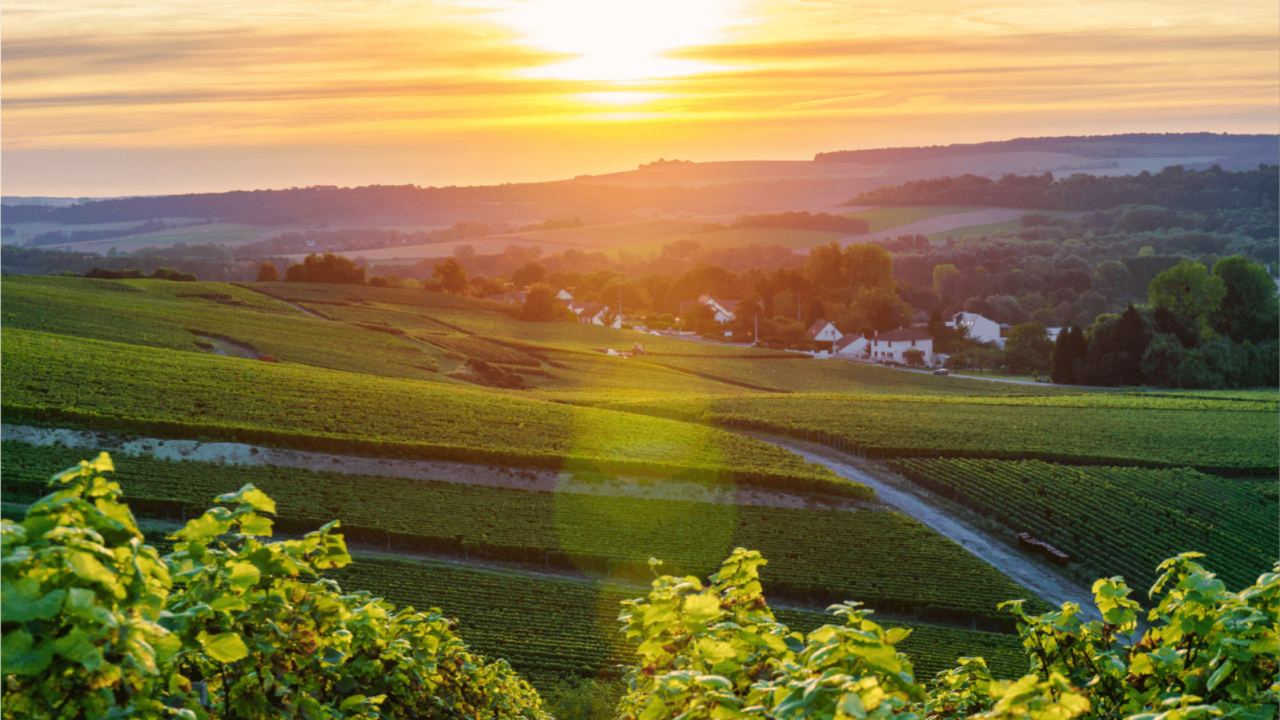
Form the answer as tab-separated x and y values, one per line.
58	237
1173	188
1132	145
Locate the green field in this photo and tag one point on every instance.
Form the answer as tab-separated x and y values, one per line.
977	230
551	629
741	237
602	534
888	218
187	395
1157	430
1119	521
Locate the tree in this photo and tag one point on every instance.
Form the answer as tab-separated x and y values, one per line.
452	276
1069	352
1028	349
944	277
1249	309
1187	289
267	272
528	274
914	357
1116	350
817	311
328	268
540	303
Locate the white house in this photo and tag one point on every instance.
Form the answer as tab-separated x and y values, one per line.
822	331
894	344
1052	332
721	309
980	328
594	314
851	345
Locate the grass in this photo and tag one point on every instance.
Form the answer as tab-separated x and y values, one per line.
887	218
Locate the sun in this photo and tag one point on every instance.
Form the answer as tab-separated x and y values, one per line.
618	42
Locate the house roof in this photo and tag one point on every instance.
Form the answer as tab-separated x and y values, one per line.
592	309
729	305
846	341
902	334
816	328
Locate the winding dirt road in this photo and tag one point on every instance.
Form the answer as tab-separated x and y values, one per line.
1040	580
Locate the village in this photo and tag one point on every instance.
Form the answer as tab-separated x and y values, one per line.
905	347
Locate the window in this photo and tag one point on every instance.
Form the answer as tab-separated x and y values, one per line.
913	343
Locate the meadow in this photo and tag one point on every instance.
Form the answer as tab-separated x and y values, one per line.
887	218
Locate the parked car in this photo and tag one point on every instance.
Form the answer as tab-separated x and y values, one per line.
941	371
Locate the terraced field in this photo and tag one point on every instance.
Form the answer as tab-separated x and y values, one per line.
820	556
1119	521
52	378
1227	436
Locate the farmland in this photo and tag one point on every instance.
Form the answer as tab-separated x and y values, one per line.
63	379
535	576
887	218
1160	430
1120	521
602	534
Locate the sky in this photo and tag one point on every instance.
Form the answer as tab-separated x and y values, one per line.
122	97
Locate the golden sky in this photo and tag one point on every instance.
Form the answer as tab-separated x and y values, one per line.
111	97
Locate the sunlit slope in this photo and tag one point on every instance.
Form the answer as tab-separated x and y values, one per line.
173	315
606	534
1157	430
111	386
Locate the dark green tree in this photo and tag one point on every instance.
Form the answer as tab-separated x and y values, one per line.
817	311
1116	350
1249	309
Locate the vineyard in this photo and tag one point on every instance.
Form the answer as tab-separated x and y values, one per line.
480	349
820	556
1118	521
1221	436
549	628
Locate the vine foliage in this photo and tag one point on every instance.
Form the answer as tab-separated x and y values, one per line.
229	625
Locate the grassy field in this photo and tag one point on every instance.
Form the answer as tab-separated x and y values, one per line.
740	237
977	230
887	218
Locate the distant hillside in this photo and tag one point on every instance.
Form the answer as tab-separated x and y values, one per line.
1239	151
1173	188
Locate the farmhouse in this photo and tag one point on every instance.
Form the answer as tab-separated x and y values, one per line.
721	309
595	314
980	328
822	331
894	344
851	345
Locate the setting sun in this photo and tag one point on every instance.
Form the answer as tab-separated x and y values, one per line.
618	41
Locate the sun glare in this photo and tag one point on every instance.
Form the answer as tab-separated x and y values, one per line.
618	42
619	98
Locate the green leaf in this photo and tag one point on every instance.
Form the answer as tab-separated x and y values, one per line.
83	603
213	523
20	604
243	575
255	525
852	704
351	702
19	658
702	608
88	567
225	647
1220	674
253	497
77	646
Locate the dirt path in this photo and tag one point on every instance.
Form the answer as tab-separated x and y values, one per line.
1040	580
492	476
